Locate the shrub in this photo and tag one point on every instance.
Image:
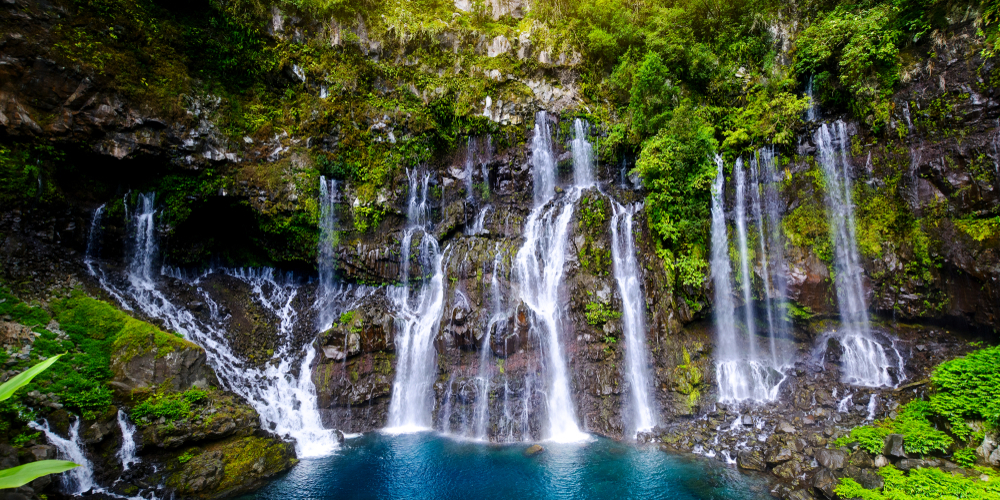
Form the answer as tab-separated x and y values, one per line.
968	387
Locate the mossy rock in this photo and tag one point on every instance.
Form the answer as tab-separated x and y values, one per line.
231	467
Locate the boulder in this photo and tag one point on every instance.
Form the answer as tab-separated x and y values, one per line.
881	461
157	359
831	459
778	455
786	427
861	459
865	477
824	481
533	450
994	459
751	460
800	495
233	467
907	464
894	446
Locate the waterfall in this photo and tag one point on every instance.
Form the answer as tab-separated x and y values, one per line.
626	270
286	403
412	391
326	253
746	278
540	268
91	254
583	155
812	114
541	154
497	314
864	360
126	454
75	481
740	376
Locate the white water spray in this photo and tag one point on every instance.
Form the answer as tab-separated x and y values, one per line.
626	270
75	481
864	361
412	391
126	454
540	267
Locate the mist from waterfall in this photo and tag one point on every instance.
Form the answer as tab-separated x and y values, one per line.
864	361
540	268
411	406
626	269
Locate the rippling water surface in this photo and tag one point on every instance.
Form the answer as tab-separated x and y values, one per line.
429	466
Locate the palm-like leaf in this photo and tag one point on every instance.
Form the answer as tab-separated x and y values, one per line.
24	474
8	388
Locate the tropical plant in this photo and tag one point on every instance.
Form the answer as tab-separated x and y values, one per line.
24	474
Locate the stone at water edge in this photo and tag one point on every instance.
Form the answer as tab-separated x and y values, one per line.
751	460
533	450
894	446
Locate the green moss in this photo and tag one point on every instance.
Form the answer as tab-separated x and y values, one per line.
599	313
171	406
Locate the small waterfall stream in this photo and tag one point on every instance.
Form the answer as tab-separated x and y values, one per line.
412	391
126	454
626	270
864	361
285	402
81	479
540	267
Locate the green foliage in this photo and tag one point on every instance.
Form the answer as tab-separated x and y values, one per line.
187	456
8	388
21	475
26	173
854	55
980	229
170	406
968	387
598	313
922	484
966	457
676	166
919	434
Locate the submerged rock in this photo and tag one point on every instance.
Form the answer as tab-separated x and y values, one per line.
533	450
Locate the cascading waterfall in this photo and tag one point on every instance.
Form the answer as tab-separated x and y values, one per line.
75	481
126	454
485	370
746	279
626	270
583	155
412	391
864	361
326	294
540	267
740	376
772	246
286	404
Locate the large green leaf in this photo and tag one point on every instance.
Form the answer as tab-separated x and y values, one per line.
24	474
21	380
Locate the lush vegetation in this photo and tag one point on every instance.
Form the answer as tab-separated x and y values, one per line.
924	484
23	474
169	406
964	389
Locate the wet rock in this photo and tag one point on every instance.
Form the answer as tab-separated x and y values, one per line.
778	455
533	450
800	495
894	446
861	459
43	452
786	427
907	464
865	477
233	467
824	481
751	460
831	459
